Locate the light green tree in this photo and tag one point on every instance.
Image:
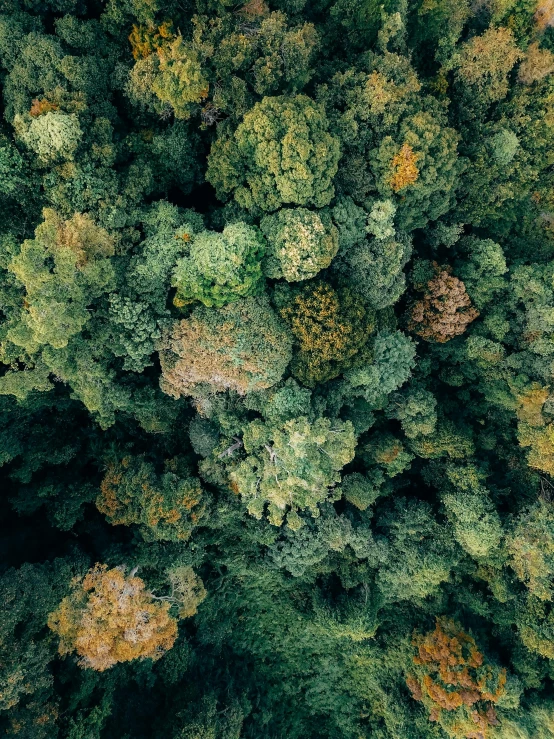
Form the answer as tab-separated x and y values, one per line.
221	267
63	269
300	243
292	467
52	136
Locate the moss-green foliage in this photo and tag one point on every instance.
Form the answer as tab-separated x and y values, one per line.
281	154
277	329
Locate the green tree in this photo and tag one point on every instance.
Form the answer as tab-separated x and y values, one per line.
63	270
292	467
300	243
281	154
221	268
419	557
180	82
51	136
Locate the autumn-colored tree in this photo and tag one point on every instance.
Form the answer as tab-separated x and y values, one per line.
39	107
110	618
537	65
330	328
145	40
444	312
166	506
242	347
453	681
544	14
485	61
404	168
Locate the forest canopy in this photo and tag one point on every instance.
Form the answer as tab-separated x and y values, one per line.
277	369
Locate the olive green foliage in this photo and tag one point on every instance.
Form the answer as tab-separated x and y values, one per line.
276	369
330	328
281	154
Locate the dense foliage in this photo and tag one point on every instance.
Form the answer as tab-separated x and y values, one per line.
276	361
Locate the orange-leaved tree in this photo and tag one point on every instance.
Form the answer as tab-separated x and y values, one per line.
453	681
166	506
109	618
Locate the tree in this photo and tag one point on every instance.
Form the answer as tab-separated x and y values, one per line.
51	136
416	411
166	506
300	243
537	64
363	490
28	594
109	618
453	681
180	81
535	623
395	140
393	360
376	267
469	507
220	268
330	328
292	467
484	62
444	312
63	269
418	557
242	347
482	266
531	548
281	154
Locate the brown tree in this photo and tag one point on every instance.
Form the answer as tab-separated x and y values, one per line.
444	312
537	65
243	346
